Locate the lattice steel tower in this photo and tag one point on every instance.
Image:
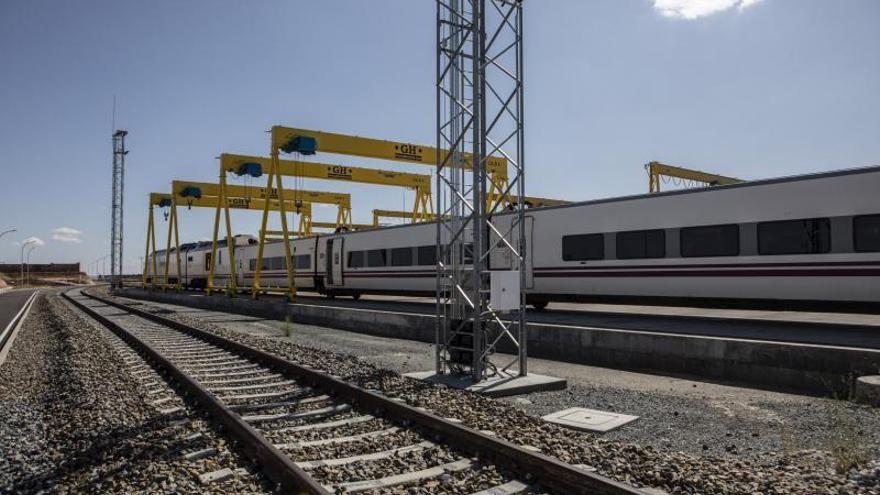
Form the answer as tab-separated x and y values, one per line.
119	153
480	118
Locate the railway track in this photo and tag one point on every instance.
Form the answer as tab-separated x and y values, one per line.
311	432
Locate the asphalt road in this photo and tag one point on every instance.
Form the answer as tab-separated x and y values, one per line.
10	303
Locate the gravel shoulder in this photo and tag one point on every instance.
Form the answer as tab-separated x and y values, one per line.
693	437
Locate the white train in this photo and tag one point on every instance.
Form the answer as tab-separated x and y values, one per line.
810	239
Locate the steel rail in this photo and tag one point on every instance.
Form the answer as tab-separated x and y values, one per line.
277	466
548	471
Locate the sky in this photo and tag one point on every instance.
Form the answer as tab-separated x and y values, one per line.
747	88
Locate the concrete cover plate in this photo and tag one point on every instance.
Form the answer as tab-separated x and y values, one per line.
580	418
501	385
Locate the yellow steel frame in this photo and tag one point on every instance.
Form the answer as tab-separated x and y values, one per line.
657	169
342	144
226	195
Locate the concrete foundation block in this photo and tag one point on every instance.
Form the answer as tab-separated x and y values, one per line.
867	390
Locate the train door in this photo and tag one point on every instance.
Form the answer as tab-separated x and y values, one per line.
334	262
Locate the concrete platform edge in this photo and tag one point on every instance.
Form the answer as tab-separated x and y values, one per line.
800	368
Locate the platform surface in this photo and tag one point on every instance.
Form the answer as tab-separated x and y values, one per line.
503	385
841	329
580	418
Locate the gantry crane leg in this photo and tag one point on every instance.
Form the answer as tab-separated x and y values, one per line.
150	260
168	243
221	201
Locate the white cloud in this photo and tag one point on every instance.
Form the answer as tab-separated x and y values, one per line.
694	9
66	234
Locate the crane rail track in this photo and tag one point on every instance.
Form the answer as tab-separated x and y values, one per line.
261	399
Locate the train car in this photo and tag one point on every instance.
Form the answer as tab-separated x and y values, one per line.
274	271
195	258
805	240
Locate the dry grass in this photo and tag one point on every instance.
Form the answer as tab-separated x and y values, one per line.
846	443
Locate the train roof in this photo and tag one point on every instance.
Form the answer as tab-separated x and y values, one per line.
746	184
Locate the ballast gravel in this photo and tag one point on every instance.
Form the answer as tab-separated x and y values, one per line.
73	419
800	472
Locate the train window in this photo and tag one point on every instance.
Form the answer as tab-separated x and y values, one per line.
401	257
277	263
252	264
189	258
583	247
866	233
376	257
356	259
806	236
427	255
303	261
641	244
710	240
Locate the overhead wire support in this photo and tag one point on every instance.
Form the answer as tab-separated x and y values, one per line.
479	115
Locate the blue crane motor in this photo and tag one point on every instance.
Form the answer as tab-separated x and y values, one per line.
191	192
250	168
305	145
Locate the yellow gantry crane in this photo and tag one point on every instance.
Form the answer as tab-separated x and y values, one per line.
290	201
255	167
309	142
157	200
657	170
164	200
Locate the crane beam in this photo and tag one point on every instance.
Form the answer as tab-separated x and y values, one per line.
343	144
657	169
238	164
179	188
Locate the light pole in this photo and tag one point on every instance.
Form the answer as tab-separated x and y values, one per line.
29	263
103	265
21	259
6	232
